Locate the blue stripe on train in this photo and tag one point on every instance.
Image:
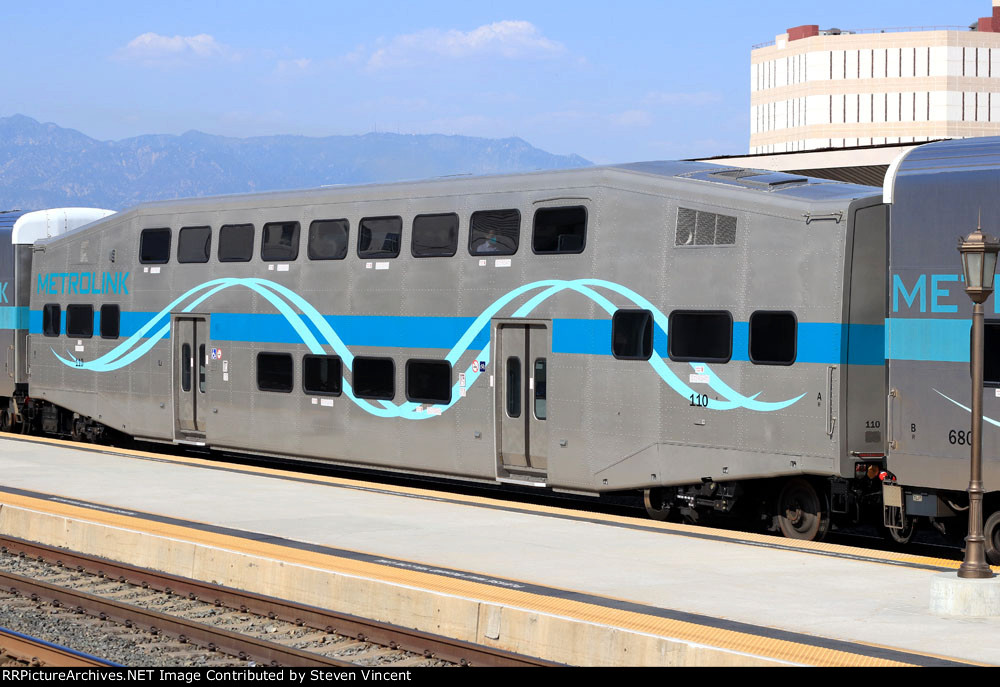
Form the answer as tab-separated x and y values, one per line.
14	317
818	342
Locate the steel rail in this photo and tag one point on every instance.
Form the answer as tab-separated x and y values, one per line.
248	648
363	629
39	652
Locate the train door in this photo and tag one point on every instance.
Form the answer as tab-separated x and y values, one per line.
521	403
867	385
190	372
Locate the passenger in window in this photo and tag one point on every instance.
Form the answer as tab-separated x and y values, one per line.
487	244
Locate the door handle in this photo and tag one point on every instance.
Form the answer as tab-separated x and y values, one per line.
831	419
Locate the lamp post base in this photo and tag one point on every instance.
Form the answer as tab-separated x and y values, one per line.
975	598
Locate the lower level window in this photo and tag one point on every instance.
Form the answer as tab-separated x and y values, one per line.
700	336
52	319
374	378
110	321
80	321
275	372
428	381
321	375
772	338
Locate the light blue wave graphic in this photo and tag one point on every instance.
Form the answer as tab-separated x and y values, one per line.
967	408
286	302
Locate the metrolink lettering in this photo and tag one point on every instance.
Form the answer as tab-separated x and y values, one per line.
930	293
56	283
3	292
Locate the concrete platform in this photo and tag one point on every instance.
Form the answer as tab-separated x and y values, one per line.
578	589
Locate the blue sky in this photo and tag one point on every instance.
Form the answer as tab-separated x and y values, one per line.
614	82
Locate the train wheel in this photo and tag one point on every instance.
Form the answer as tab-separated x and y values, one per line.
991	531
802	511
5	420
656	506
904	534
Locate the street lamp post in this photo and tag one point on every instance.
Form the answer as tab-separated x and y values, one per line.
979	260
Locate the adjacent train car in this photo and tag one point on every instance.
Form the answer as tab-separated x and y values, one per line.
715	337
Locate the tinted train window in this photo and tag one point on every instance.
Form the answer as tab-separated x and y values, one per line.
154	246
374	378
80	321
328	239
700	336
494	232
434	236
236	243
513	386
428	381
632	334
991	360
772	338
379	237
559	230
541	411
275	372
110	321
194	244
52	320
321	374
280	241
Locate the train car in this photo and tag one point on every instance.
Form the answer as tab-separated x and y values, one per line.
18	233
714	337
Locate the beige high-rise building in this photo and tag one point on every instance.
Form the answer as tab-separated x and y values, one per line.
813	89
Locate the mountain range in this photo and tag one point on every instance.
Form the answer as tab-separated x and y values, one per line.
45	165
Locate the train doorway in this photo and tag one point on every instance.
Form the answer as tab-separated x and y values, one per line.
521	399
190	373
867	431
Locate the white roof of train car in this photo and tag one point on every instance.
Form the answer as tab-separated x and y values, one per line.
43	224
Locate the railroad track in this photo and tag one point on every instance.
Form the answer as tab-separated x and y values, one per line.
221	619
17	649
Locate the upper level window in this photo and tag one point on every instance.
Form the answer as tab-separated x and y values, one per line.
194	244
494	232
772	338
328	239
236	243
559	230
154	246
434	236
700	336
280	241
379	237
80	321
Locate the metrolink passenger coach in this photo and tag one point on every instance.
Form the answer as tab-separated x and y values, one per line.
724	340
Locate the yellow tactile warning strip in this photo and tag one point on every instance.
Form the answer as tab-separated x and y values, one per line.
745	638
694	531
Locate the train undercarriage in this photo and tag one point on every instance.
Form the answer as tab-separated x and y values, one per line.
801	507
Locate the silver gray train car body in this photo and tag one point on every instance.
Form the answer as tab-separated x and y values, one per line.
937	193
549	364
